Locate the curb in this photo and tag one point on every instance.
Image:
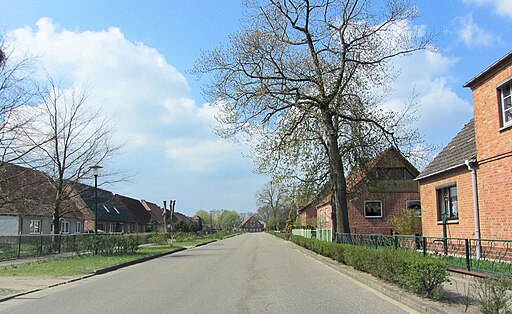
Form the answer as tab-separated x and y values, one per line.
98	272
205	243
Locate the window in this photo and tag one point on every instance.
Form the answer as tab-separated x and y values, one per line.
64	226
447	203
414	205
116	210
505	100
327	215
35	226
108	211
78	227
373	209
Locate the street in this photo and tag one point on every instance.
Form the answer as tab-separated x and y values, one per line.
251	273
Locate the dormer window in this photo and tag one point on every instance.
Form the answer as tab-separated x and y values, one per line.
505	99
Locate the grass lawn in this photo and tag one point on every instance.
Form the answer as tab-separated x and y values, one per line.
80	265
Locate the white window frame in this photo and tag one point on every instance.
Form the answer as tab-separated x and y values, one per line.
78	227
502	100
373	201
448	201
64	226
35	224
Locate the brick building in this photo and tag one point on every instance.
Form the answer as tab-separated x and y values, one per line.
383	191
251	224
470	181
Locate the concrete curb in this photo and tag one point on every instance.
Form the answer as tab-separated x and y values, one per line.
97	272
205	243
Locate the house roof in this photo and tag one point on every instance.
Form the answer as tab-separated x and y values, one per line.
28	192
135	207
109	208
461	148
155	211
246	220
356	176
490	71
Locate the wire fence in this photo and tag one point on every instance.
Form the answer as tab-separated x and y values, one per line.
24	246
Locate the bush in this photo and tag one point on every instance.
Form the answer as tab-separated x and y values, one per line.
491	294
426	275
158	238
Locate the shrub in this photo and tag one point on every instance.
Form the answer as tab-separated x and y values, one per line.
158	238
426	275
491	294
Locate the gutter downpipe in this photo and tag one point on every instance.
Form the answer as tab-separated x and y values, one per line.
471	164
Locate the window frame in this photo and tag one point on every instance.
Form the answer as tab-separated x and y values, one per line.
78	227
32	226
411	200
381	209
440	189
501	104
64	226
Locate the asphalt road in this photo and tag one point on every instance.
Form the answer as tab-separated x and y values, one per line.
251	273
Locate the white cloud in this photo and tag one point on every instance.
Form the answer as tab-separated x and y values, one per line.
133	82
501	7
474	35
441	112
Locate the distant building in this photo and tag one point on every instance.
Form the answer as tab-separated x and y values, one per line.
26	204
251	224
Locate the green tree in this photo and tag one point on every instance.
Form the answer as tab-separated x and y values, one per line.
229	220
407	223
305	79
203	214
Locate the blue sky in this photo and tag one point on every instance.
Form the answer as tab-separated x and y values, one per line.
136	54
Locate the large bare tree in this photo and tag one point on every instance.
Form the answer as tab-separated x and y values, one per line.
309	75
75	135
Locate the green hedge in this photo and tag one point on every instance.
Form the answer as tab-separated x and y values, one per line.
419	274
111	244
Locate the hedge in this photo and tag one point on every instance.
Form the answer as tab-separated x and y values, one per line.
411	270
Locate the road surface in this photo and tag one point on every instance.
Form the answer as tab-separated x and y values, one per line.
251	273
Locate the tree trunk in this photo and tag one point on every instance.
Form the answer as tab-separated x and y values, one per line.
337	175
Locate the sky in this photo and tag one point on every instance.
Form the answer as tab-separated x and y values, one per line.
136	57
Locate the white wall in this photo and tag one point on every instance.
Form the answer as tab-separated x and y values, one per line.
9	225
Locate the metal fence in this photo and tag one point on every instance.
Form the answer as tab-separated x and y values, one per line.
22	246
485	255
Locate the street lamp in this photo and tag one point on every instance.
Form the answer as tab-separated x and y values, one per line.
96	172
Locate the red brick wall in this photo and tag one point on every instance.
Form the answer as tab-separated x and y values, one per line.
392	205
307	216
494	154
465	227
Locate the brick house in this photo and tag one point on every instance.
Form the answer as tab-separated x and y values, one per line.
157	220
113	216
251	224
383	191
139	213
470	181
26	204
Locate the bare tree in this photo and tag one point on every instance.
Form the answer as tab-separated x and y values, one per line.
271	201
74	137
311	74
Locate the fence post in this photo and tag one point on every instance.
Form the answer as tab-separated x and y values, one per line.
396	241
468	259
424	246
60	243
41	246
19	246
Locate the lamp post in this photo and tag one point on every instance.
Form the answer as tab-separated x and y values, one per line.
95	172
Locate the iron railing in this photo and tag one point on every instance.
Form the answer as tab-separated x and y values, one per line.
485	255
